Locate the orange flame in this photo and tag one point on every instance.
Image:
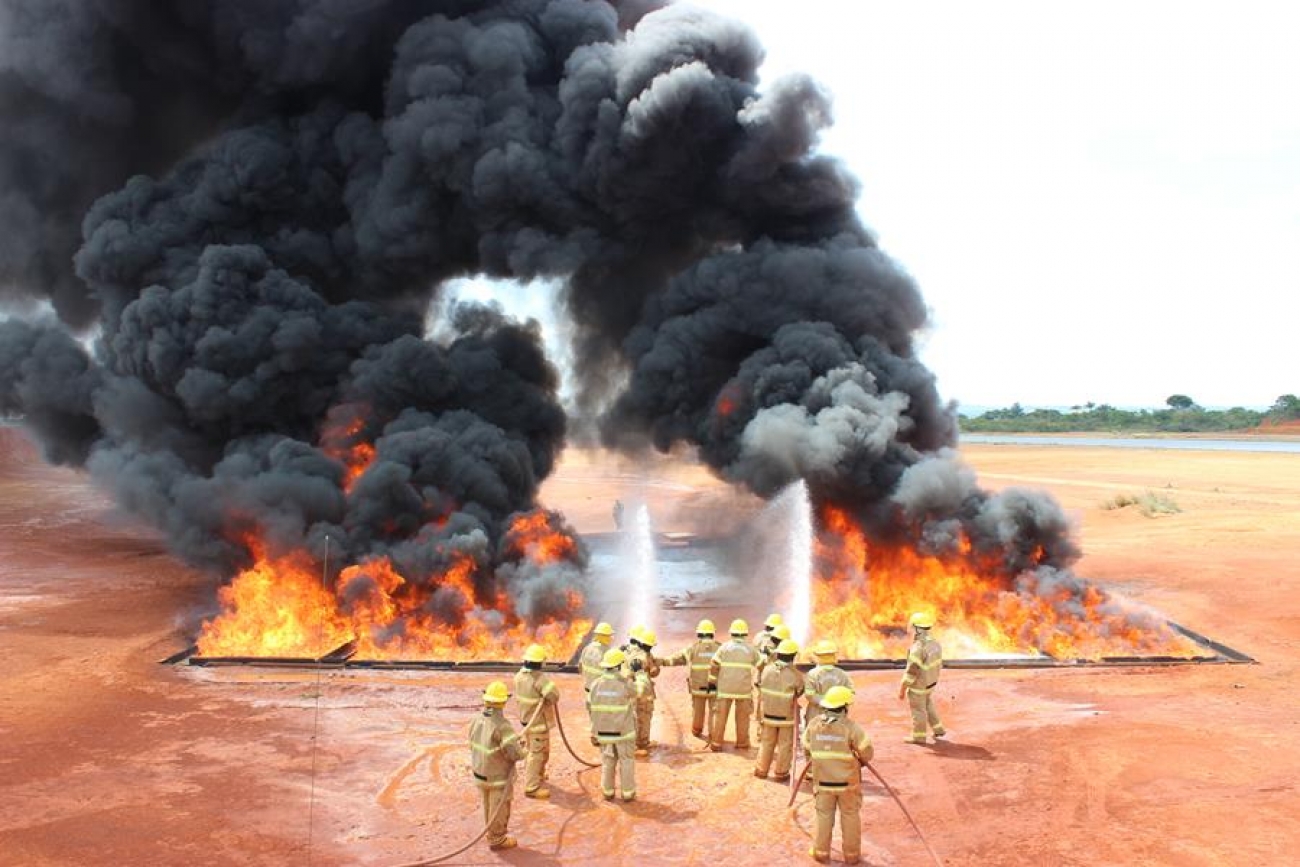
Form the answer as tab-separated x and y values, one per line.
280	606
866	592
343	442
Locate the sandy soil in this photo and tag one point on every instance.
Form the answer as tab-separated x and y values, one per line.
107	757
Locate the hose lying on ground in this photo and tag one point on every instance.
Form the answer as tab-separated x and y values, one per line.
892	794
899	802
510	779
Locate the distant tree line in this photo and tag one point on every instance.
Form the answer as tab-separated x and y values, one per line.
1180	415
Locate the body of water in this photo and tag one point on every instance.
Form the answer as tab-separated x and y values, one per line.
1212	445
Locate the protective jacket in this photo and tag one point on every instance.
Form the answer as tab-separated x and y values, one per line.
778	693
838	747
697	656
494	748
648	670
924	662
531	688
818	683
732	670
589	661
610	704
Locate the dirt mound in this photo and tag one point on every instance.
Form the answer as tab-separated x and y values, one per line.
1288	427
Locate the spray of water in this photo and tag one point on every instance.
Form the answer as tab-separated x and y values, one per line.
641	569
790	519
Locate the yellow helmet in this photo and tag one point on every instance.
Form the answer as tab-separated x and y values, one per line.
496	693
837	697
613	658
635	632
923	620
704	627
603	629
787	648
739	627
825	647
781	632
535	653
773	620
648	637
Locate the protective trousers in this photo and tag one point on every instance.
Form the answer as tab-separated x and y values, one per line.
618	756
492	798
701	714
848	802
722	710
645	712
539	753
921	701
778	740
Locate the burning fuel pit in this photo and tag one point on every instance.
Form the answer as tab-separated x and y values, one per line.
689	578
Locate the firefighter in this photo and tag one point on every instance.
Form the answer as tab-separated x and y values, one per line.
824	675
613	725
767	641
924	662
731	675
778	705
766	653
534	687
601	636
839	748
642	668
697	656
494	749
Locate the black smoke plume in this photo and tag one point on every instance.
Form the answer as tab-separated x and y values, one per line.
251	204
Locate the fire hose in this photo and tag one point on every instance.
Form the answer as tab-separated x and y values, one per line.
888	788
559	719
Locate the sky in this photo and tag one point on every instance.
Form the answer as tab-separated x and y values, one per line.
1100	201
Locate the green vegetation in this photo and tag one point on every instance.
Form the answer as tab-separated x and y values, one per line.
1149	503
1182	415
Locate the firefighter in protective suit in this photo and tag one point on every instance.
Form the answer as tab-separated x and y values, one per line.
613	725
731	676
589	661
767	640
778	705
697	656
924	662
824	675
642	668
839	748
533	687
494	750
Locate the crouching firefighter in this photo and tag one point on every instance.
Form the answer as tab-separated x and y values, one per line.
537	696
613	725
778	705
494	750
838	748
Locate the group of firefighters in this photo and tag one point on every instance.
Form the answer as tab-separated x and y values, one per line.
727	680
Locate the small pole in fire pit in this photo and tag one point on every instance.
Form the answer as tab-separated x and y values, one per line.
311	798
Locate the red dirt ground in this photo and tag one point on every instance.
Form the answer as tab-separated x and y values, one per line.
107	757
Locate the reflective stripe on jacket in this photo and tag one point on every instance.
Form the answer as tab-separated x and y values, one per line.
592	654
649	671
494	748
924	662
732	669
778	691
610	705
838	747
820	680
532	687
697	656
